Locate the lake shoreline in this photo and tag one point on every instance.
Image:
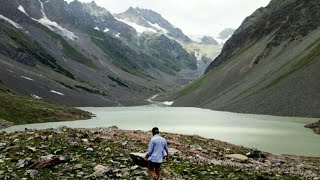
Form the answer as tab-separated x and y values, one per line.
191	155
315	127
267	133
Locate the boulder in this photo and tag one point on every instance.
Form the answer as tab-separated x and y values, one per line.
138	159
50	163
100	170
256	154
173	151
238	157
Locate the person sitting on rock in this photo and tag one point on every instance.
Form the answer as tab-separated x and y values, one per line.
157	150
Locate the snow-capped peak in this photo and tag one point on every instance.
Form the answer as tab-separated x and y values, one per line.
140	29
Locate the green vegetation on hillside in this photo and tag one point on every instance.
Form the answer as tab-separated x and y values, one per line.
119	57
25	110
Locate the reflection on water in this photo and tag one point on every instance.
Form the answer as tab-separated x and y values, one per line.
279	135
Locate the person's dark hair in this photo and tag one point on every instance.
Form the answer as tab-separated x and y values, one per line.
155	130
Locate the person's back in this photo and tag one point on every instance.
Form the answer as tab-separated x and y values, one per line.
157	150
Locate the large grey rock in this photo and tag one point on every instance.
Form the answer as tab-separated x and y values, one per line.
237	157
100	170
138	159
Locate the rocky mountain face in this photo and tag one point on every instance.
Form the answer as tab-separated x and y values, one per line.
153	21
79	54
269	65
226	33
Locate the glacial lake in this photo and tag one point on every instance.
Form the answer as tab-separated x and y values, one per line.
278	135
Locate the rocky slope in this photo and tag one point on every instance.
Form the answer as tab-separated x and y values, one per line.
268	66
79	54
66	153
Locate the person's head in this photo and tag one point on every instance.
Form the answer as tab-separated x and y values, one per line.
155	131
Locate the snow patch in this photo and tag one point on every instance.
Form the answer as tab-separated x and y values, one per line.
96	28
138	28
27	78
55	27
118	35
35	96
156	25
198	55
106	30
56	92
11	22
20	8
168	103
10	71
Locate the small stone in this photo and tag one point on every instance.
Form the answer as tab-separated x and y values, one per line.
85	140
16	140
24	162
203	173
80	174
58	151
78	166
32	149
1	172
32	173
48	157
90	149
124	143
135	167
144	173
1	161
108	150
125	170
100	170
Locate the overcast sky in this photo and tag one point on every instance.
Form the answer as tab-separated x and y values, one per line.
194	17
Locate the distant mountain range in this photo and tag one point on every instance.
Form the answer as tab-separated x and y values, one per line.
270	65
79	54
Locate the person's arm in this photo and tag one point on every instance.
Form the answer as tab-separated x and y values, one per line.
150	150
167	150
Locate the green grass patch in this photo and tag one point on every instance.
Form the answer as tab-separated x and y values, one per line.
94	91
24	110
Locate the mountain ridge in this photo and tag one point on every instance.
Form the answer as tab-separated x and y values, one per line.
272	55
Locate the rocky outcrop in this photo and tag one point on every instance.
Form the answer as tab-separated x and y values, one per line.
315	127
5	124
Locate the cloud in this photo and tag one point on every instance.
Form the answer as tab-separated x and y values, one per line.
193	16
